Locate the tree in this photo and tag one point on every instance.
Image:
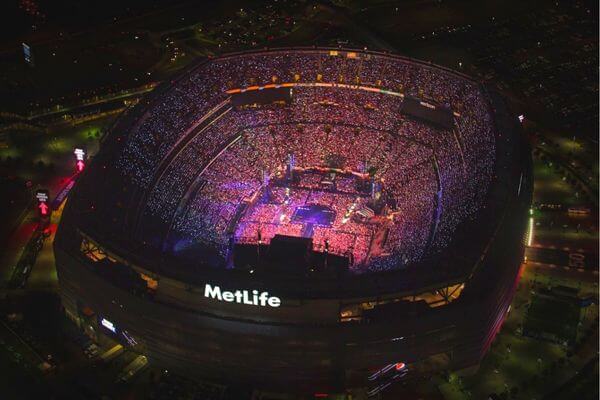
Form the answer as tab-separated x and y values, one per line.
514	391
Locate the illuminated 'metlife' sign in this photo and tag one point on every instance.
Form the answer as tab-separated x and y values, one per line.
251	298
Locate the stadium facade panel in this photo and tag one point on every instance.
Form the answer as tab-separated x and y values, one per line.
302	219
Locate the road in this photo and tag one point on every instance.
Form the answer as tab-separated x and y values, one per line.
563	258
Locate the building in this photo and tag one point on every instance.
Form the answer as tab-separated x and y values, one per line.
302	219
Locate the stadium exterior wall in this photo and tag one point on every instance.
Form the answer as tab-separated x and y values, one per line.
303	347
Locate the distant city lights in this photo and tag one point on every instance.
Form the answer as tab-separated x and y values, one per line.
108	325
530	233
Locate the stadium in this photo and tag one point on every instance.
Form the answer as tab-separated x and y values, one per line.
302	219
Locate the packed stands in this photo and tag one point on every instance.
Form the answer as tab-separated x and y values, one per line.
213	174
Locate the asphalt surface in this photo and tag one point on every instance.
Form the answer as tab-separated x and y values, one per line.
563	258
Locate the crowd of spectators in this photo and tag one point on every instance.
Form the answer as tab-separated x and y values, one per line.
208	191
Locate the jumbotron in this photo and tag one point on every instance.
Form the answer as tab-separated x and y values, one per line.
303	219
